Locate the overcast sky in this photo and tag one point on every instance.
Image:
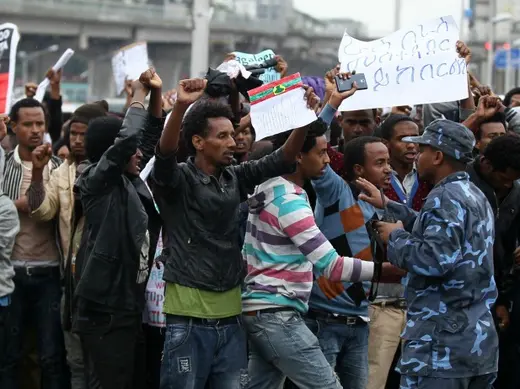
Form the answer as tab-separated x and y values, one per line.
378	15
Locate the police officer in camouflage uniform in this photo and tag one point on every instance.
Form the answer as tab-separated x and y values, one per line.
450	341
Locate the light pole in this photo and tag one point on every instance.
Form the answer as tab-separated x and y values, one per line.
26	57
499	18
516	44
201	16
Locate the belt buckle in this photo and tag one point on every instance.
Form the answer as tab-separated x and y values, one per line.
401	304
351	321
28	271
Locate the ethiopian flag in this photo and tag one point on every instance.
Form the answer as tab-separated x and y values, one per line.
275	88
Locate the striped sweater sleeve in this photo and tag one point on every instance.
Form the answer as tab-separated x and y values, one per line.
296	219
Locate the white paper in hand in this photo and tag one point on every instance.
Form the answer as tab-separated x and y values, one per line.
279	106
42	87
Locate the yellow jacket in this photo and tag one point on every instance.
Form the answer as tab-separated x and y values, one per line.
59	196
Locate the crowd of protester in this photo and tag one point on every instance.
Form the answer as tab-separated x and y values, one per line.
370	249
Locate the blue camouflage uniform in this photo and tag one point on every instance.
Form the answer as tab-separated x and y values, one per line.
449	335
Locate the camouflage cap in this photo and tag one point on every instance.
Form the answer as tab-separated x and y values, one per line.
453	139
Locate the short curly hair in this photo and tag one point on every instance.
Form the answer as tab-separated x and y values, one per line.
503	152
195	121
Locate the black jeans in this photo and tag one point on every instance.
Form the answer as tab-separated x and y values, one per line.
113	349
36	301
154	347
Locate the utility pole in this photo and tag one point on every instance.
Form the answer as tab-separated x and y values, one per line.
397	15
201	17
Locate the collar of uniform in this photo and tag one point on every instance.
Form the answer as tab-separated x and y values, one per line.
203	177
457	176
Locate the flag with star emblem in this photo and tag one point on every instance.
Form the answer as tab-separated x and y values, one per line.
279	106
275	88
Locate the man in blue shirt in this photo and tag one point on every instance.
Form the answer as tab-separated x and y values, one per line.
449	340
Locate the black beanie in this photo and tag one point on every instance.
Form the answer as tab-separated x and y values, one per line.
101	134
85	113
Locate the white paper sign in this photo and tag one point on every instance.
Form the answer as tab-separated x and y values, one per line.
279	106
154	295
417	65
246	59
128	63
62	61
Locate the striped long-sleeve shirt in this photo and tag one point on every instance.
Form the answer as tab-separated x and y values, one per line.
283	245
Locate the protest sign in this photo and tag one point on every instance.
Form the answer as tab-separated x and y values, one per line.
246	59
154	294
128	64
279	106
62	61
9	38
417	65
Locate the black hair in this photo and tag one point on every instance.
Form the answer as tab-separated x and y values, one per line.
195	121
386	129
373	110
498	117
63	141
316	129
503	152
509	96
101	134
354	153
24	103
335	133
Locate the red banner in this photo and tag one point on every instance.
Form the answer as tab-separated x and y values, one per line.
9	38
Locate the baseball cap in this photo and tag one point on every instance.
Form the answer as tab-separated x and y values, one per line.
453	139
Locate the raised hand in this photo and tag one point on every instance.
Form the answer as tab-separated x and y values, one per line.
488	106
190	90
54	76
30	89
330	84
151	79
313	101
41	156
463	51
337	98
4	121
281	66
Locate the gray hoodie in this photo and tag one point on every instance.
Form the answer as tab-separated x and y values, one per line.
9	227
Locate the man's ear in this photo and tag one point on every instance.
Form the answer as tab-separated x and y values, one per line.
299	158
198	142
439	158
359	171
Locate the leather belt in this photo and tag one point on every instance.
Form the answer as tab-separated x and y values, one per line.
332	318
38	271
268	310
399	304
175	319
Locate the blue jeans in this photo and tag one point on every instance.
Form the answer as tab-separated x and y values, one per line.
346	349
479	382
35	301
204	354
282	346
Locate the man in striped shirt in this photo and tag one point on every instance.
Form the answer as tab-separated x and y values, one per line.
282	247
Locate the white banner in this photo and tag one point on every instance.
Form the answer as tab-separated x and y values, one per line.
417	65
